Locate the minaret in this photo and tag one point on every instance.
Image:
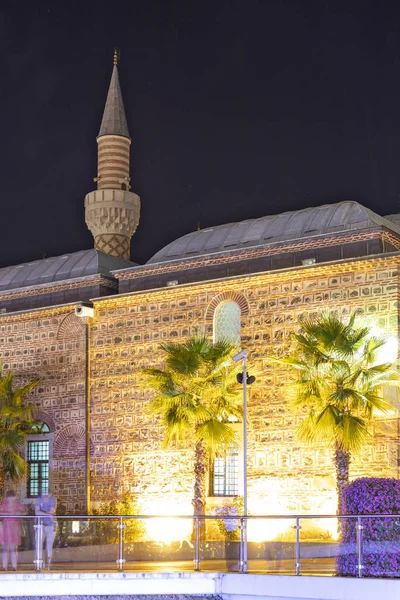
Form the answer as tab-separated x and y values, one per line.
112	211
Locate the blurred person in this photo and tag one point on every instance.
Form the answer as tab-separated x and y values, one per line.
45	507
11	530
231	536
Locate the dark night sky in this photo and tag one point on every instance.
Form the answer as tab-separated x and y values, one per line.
236	110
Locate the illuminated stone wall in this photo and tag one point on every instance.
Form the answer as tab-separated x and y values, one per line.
51	345
125	333
284	476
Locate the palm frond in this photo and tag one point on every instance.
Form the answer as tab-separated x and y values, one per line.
17	420
352	433
195	386
216	435
335	375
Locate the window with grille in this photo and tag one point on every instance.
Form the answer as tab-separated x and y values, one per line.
38	461
227	323
225	480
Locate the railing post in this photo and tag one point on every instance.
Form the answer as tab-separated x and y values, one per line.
359	529
297	528
196	544
243	545
38	560
121	559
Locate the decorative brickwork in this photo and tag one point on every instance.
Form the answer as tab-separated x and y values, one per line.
111	147
125	333
51	288
284	475
223	297
70	441
112	216
112	211
117	245
31	347
71	326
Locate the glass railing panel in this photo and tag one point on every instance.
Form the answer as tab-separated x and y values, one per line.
159	543
16	543
83	544
380	546
319	544
363	546
271	545
219	544
370	547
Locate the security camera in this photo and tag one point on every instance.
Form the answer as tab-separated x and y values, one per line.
240	355
84	311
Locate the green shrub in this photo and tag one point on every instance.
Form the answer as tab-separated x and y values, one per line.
106	529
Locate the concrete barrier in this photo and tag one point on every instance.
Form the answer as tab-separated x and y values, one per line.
227	586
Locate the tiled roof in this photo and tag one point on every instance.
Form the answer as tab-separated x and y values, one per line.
60	268
288	226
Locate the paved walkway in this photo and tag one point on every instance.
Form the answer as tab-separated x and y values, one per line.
321	566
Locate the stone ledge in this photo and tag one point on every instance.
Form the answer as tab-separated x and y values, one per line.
36	585
197	585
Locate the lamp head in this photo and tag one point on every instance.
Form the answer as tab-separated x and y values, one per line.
240	355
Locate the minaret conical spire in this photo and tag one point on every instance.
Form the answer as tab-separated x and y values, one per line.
112	211
114	118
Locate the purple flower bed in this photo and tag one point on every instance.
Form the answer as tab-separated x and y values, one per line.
380	535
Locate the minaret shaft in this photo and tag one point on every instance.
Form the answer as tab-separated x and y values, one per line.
112	211
113	162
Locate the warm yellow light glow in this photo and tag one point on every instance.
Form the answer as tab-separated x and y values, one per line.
167	530
330	525
390	350
388	353
265	530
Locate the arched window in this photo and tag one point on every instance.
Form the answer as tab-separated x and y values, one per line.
41	427
227	323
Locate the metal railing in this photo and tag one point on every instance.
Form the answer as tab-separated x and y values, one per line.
347	545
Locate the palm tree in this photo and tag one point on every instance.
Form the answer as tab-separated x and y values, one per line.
16	422
340	382
197	397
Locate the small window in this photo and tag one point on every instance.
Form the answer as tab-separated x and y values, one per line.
225	479
38	461
41	427
227	323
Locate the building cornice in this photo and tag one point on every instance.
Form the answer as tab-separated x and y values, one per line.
48	288
342	266
311	243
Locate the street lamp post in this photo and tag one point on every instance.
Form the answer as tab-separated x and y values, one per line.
242	356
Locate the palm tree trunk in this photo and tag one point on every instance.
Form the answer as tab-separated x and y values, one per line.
342	463
200	483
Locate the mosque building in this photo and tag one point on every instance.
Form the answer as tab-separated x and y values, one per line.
86	323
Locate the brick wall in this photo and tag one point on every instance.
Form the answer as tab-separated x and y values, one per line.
51	345
283	475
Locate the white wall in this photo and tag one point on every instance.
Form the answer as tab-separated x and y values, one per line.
230	586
